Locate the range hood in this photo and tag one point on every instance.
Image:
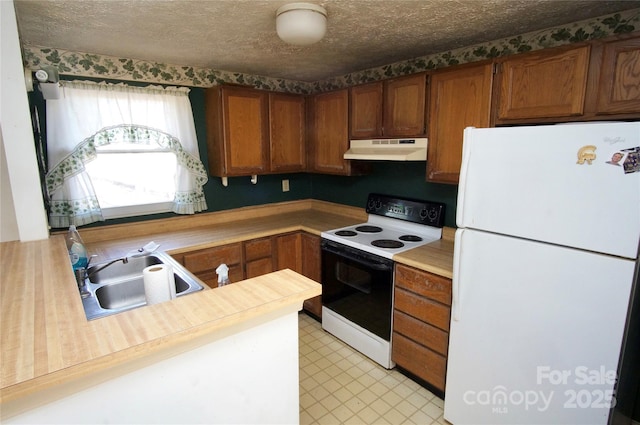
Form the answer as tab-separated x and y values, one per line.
388	149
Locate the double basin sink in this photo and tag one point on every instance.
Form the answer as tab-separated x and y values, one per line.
120	286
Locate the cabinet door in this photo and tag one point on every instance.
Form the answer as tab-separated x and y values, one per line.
258	267
311	256
287	132
404	106
330	136
419	360
245	131
619	87
545	84
203	263
289	252
366	111
211	258
311	269
459	98
258	255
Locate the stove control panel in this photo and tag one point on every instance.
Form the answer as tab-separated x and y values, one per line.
414	210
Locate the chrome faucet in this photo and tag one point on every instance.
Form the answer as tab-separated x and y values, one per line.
124	260
83	274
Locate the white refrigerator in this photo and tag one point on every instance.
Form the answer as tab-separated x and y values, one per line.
548	230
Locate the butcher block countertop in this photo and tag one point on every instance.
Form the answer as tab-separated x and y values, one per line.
47	341
182	235
435	257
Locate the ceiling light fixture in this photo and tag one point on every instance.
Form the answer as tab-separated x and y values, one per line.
301	24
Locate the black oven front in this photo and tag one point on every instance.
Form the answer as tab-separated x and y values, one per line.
358	286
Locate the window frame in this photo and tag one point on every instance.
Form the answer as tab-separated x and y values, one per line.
132	210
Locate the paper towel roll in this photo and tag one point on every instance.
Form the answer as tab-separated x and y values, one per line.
159	283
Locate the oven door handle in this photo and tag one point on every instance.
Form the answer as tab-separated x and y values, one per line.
370	263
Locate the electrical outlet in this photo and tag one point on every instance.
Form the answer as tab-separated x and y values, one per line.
285	185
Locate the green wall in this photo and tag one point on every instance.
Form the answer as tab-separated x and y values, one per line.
404	179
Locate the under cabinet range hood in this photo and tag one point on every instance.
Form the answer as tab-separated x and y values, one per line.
388	149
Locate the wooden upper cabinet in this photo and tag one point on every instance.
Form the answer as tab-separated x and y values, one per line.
404	106
287	132
329	123
237	131
544	84
459	97
619	85
366	110
389	108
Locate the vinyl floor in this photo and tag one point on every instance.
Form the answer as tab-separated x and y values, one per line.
339	385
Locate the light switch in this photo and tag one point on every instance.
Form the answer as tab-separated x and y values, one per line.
285	185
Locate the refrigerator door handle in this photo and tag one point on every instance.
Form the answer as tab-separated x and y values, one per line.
455	282
462	182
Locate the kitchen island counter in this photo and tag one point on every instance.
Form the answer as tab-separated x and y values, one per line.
50	350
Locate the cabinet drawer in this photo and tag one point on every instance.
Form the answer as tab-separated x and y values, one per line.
258	267
421	308
419	360
210	259
420	332
211	277
428	285
259	248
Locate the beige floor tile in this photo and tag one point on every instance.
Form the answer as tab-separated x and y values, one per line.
339	385
432	410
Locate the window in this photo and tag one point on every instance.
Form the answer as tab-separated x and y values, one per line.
116	150
132	180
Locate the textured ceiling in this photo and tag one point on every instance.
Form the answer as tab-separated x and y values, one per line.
240	36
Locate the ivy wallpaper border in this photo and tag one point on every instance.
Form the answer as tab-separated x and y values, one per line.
126	69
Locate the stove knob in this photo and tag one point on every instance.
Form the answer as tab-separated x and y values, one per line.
378	204
433	214
423	213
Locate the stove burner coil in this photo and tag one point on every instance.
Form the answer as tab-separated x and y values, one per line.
410	238
387	243
346	233
369	229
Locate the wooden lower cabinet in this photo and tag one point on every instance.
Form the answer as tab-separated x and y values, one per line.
311	268
298	251
203	263
258	257
421	315
419	360
289	252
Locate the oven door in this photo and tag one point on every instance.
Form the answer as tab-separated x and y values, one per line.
358	286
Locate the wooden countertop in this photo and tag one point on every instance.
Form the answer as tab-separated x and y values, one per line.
311	216
435	257
46	339
176	241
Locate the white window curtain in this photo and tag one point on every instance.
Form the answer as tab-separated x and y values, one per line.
89	115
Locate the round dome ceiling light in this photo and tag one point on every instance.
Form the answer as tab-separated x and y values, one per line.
301	24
